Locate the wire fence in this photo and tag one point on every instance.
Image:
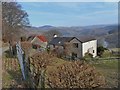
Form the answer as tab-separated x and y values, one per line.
31	73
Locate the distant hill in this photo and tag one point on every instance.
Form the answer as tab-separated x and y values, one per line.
46	27
105	34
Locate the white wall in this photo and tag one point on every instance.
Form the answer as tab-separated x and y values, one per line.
90	44
37	41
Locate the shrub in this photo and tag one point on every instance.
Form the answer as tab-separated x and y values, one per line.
106	53
75	75
88	55
100	50
23	38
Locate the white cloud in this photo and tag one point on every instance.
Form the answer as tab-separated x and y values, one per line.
104	12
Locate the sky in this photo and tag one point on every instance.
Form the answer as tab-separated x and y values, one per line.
71	13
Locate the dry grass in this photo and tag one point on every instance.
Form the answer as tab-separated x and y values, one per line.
108	68
11	78
115	49
55	63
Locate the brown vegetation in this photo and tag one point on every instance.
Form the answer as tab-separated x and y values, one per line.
75	75
26	46
66	74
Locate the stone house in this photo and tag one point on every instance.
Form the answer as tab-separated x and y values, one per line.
73	46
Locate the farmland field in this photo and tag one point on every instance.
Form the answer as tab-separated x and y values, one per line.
109	68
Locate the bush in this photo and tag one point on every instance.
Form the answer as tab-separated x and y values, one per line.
66	74
23	38
100	50
88	55
75	75
106	53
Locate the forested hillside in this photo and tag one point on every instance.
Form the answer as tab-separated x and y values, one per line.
107	35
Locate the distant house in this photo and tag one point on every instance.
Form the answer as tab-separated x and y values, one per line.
39	41
76	47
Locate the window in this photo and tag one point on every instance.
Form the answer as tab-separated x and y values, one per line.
75	45
93	51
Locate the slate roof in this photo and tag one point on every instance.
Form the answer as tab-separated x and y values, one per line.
84	39
62	40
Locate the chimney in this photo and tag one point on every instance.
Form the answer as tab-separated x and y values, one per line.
54	35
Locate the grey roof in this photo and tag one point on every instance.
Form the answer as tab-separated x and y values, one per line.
86	38
62	40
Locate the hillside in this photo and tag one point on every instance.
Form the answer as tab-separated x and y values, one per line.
105	34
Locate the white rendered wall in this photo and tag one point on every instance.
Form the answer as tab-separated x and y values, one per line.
87	45
37	41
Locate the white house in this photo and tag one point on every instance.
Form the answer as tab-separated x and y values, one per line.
79	46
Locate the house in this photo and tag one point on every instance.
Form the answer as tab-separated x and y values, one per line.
39	42
75	47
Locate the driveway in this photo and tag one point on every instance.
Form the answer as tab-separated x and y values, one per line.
3	49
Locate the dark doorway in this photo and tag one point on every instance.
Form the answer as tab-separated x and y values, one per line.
74	55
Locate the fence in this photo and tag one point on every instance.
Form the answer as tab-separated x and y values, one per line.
34	75
28	67
31	73
107	58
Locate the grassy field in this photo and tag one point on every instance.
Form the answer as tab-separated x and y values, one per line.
115	49
109	68
11	78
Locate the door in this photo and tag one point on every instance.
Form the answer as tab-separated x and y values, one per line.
74	55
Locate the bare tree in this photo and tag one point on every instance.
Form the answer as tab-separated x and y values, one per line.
13	19
49	34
